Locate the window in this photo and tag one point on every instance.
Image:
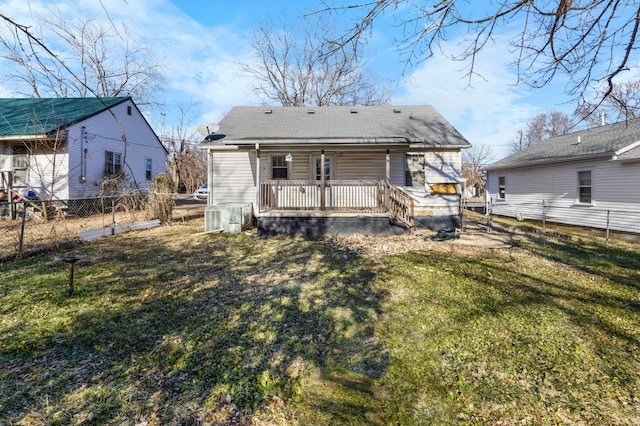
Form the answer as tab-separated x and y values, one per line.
112	163
414	171
327	168
502	187
148	169
20	165
584	186
279	167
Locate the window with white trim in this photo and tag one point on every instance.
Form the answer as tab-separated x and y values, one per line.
279	167
502	187
584	186
414	170
112	163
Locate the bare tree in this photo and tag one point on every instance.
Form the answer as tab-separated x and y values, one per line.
92	58
473	160
187	164
542	126
588	42
99	63
622	103
298	65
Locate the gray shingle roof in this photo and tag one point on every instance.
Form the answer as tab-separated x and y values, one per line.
603	141
38	116
632	154
360	124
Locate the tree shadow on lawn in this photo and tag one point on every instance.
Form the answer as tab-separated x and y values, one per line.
199	330
591	256
566	286
580	303
574	331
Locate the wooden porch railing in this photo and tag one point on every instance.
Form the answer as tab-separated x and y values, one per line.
400	205
338	195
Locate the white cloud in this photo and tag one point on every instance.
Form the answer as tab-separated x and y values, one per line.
488	109
201	67
199	62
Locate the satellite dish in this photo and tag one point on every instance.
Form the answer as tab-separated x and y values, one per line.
207	129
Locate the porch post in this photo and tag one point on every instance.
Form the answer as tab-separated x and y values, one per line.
257	212
388	173
322	183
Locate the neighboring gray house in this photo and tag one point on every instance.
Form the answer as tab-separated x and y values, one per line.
318	170
588	178
65	148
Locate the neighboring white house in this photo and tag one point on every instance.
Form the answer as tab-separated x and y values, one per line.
316	170
65	148
589	178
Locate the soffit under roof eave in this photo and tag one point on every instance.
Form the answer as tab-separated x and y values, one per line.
25	138
217	147
432	147
323	141
310	148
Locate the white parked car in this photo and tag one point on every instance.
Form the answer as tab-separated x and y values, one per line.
201	193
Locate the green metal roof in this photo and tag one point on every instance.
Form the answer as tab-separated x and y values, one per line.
41	116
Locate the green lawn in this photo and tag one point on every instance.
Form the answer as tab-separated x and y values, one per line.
167	327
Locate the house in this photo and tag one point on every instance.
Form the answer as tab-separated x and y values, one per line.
320	170
587	178
67	148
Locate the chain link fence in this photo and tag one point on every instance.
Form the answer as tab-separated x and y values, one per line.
28	226
554	215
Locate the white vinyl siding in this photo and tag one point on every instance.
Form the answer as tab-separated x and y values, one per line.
614	187
49	171
103	133
355	165
232	177
443	167
346	165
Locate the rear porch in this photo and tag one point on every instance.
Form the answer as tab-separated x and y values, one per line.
311	208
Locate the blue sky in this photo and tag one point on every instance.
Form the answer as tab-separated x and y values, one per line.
201	41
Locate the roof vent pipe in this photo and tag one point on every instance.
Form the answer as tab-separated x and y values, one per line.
602	116
579	139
